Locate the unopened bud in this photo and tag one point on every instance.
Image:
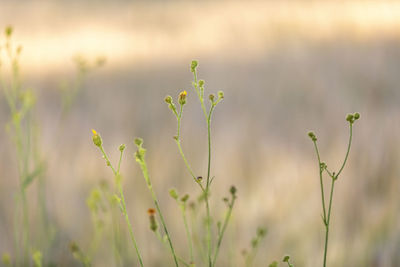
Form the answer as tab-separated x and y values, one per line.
96	138
193	66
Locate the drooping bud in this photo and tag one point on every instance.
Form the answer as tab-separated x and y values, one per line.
220	95
152	218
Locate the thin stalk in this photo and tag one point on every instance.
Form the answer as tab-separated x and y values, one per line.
321	181
145	172
123	203
124	211
327	217
162	242
188	234
328	221
221	234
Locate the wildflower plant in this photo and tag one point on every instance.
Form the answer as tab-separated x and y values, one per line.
254	245
118	197
323	169
199	86
22	129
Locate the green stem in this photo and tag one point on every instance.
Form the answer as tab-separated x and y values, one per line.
221	234
321	182
188	234
124	211
328	221
145	172
123	204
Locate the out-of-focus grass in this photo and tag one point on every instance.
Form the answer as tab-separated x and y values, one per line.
285	68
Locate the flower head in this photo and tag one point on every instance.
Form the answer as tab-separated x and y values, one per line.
182	97
96	138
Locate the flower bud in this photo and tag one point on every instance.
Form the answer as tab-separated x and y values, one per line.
96	138
233	190
286	258
173	194
168	99
220	95
350	118
211	97
138	141
193	66
185	198
201	83
182	98
312	136
356	116
122	147
153	222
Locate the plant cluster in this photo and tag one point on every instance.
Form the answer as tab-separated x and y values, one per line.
107	203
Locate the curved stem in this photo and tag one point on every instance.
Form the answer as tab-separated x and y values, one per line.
348	150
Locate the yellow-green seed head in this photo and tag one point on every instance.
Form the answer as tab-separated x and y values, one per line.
96	138
220	94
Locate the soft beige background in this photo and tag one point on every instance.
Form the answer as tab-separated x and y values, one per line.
285	66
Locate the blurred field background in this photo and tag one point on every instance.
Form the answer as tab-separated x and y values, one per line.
286	67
